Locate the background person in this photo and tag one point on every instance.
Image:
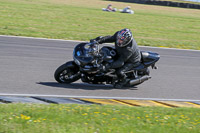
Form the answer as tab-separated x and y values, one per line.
127	10
109	8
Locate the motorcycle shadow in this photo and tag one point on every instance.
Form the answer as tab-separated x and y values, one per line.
84	86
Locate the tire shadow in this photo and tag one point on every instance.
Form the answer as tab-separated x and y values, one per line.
84	86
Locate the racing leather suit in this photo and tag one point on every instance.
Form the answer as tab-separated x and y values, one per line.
129	55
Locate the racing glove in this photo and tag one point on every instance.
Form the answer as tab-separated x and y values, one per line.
98	39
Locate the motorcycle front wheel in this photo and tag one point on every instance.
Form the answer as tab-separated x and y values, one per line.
67	74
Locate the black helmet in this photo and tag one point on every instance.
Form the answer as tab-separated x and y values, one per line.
124	37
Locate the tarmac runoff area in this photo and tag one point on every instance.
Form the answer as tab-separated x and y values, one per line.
138	102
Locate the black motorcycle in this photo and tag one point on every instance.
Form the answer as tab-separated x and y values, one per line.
89	59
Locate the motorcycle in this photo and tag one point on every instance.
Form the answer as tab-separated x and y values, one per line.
88	59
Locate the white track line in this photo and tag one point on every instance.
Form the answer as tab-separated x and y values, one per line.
23	37
96	97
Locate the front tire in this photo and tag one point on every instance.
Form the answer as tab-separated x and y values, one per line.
67	74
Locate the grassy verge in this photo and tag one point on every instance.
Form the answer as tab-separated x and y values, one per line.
36	118
83	20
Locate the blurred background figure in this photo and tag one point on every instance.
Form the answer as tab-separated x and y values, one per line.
127	10
109	8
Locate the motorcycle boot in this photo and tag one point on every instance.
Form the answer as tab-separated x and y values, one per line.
121	83
121	75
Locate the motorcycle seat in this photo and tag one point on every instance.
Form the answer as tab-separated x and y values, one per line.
144	57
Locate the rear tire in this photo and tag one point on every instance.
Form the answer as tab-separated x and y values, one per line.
67	74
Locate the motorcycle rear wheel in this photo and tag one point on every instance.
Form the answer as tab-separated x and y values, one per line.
66	74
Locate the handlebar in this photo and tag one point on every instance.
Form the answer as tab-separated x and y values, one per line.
93	47
93	43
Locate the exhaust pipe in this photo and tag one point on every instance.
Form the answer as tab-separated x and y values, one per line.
138	80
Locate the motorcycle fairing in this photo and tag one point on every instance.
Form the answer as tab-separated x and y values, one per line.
81	53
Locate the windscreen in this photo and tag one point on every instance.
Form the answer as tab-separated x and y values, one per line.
81	53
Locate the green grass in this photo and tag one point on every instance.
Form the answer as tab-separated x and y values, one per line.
83	20
64	118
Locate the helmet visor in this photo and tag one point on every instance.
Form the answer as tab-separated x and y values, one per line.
120	42
121	38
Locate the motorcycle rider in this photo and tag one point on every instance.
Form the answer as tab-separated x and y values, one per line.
128	51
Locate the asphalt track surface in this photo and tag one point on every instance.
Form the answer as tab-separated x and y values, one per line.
27	66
